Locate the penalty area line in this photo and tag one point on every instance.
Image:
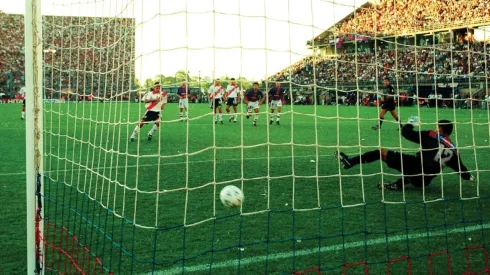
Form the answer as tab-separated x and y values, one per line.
306	252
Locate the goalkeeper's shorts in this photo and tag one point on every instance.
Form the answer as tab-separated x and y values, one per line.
411	168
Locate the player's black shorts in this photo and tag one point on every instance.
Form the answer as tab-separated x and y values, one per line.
410	166
151	116
231	101
216	103
388	106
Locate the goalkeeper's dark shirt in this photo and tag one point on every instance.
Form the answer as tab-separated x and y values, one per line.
435	154
389	94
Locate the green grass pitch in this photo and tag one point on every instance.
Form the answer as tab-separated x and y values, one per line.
94	176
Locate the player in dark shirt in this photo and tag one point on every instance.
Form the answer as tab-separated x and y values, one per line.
183	93
437	152
388	104
276	96
254	99
23	113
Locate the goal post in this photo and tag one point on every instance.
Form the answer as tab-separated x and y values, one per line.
34	135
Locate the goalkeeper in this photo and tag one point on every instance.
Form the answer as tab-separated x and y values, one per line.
437	151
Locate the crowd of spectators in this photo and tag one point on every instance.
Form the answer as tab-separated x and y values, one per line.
87	56
409	16
443	62
407	63
95	56
11	51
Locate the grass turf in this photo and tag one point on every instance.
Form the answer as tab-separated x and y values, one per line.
95	177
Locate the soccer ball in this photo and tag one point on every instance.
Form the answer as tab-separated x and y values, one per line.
414	120
231	196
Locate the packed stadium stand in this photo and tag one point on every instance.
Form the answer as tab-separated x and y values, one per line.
417	44
395	17
75	56
406	65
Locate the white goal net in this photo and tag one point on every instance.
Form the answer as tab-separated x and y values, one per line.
141	131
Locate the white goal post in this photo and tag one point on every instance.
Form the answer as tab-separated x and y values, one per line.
34	134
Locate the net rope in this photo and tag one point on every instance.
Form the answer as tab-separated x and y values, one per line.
109	214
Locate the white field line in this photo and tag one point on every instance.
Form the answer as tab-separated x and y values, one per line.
306	252
176	163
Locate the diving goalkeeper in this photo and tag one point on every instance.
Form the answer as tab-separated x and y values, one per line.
419	170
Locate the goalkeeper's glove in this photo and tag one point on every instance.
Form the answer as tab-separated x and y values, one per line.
414	121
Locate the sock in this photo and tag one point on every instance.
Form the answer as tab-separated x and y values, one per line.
187	114
256	117
278	116
180	114
235	117
23	114
367	157
153	129
220	116
399	122
135	131
381	122
272	117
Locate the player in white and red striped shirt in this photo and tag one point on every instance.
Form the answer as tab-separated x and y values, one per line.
232	98
154	104
216	93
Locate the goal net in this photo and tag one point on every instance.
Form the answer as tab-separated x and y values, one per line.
114	198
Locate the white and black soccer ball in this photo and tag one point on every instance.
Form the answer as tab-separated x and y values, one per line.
231	196
414	120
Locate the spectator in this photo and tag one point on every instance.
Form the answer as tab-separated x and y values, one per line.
81	53
439	62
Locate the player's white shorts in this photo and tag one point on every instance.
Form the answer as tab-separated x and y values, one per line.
276	103
183	102
252	105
